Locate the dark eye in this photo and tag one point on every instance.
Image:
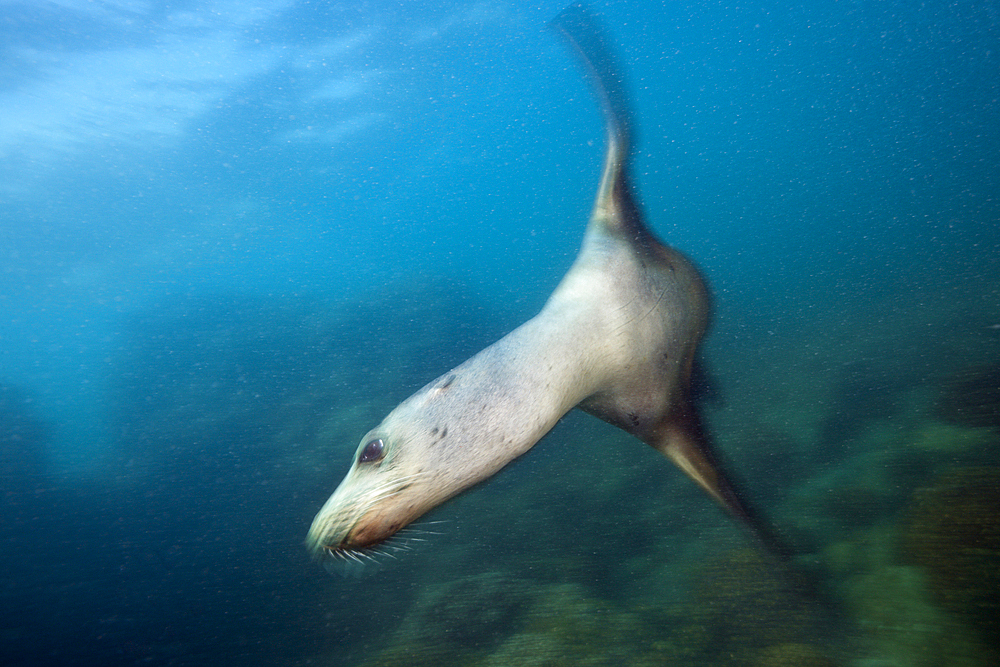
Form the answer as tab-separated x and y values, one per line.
373	451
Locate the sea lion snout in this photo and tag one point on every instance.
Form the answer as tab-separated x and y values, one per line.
340	526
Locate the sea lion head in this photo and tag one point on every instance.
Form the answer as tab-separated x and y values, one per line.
404	467
378	496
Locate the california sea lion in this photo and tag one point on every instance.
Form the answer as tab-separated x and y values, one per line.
617	339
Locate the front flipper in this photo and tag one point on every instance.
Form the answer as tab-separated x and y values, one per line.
616	213
578	26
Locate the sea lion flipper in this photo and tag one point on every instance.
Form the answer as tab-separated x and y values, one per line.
687	448
615	211
591	45
685	445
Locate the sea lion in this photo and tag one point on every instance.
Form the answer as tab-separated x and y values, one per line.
617	338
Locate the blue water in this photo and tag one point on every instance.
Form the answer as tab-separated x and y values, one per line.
234	235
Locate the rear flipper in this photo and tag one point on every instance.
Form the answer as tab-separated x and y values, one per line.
684	443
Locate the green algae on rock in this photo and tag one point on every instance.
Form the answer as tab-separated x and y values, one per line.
953	532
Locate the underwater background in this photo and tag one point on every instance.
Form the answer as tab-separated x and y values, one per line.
235	234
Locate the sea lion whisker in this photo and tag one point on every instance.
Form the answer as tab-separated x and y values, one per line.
383	552
402	541
409	532
396	543
418	528
342	554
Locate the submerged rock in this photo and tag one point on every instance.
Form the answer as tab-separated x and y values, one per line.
745	601
467	615
791	655
971	397
953	532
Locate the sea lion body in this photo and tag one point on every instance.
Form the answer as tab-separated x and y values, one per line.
617	338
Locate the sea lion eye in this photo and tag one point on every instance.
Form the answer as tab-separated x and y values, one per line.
373	451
